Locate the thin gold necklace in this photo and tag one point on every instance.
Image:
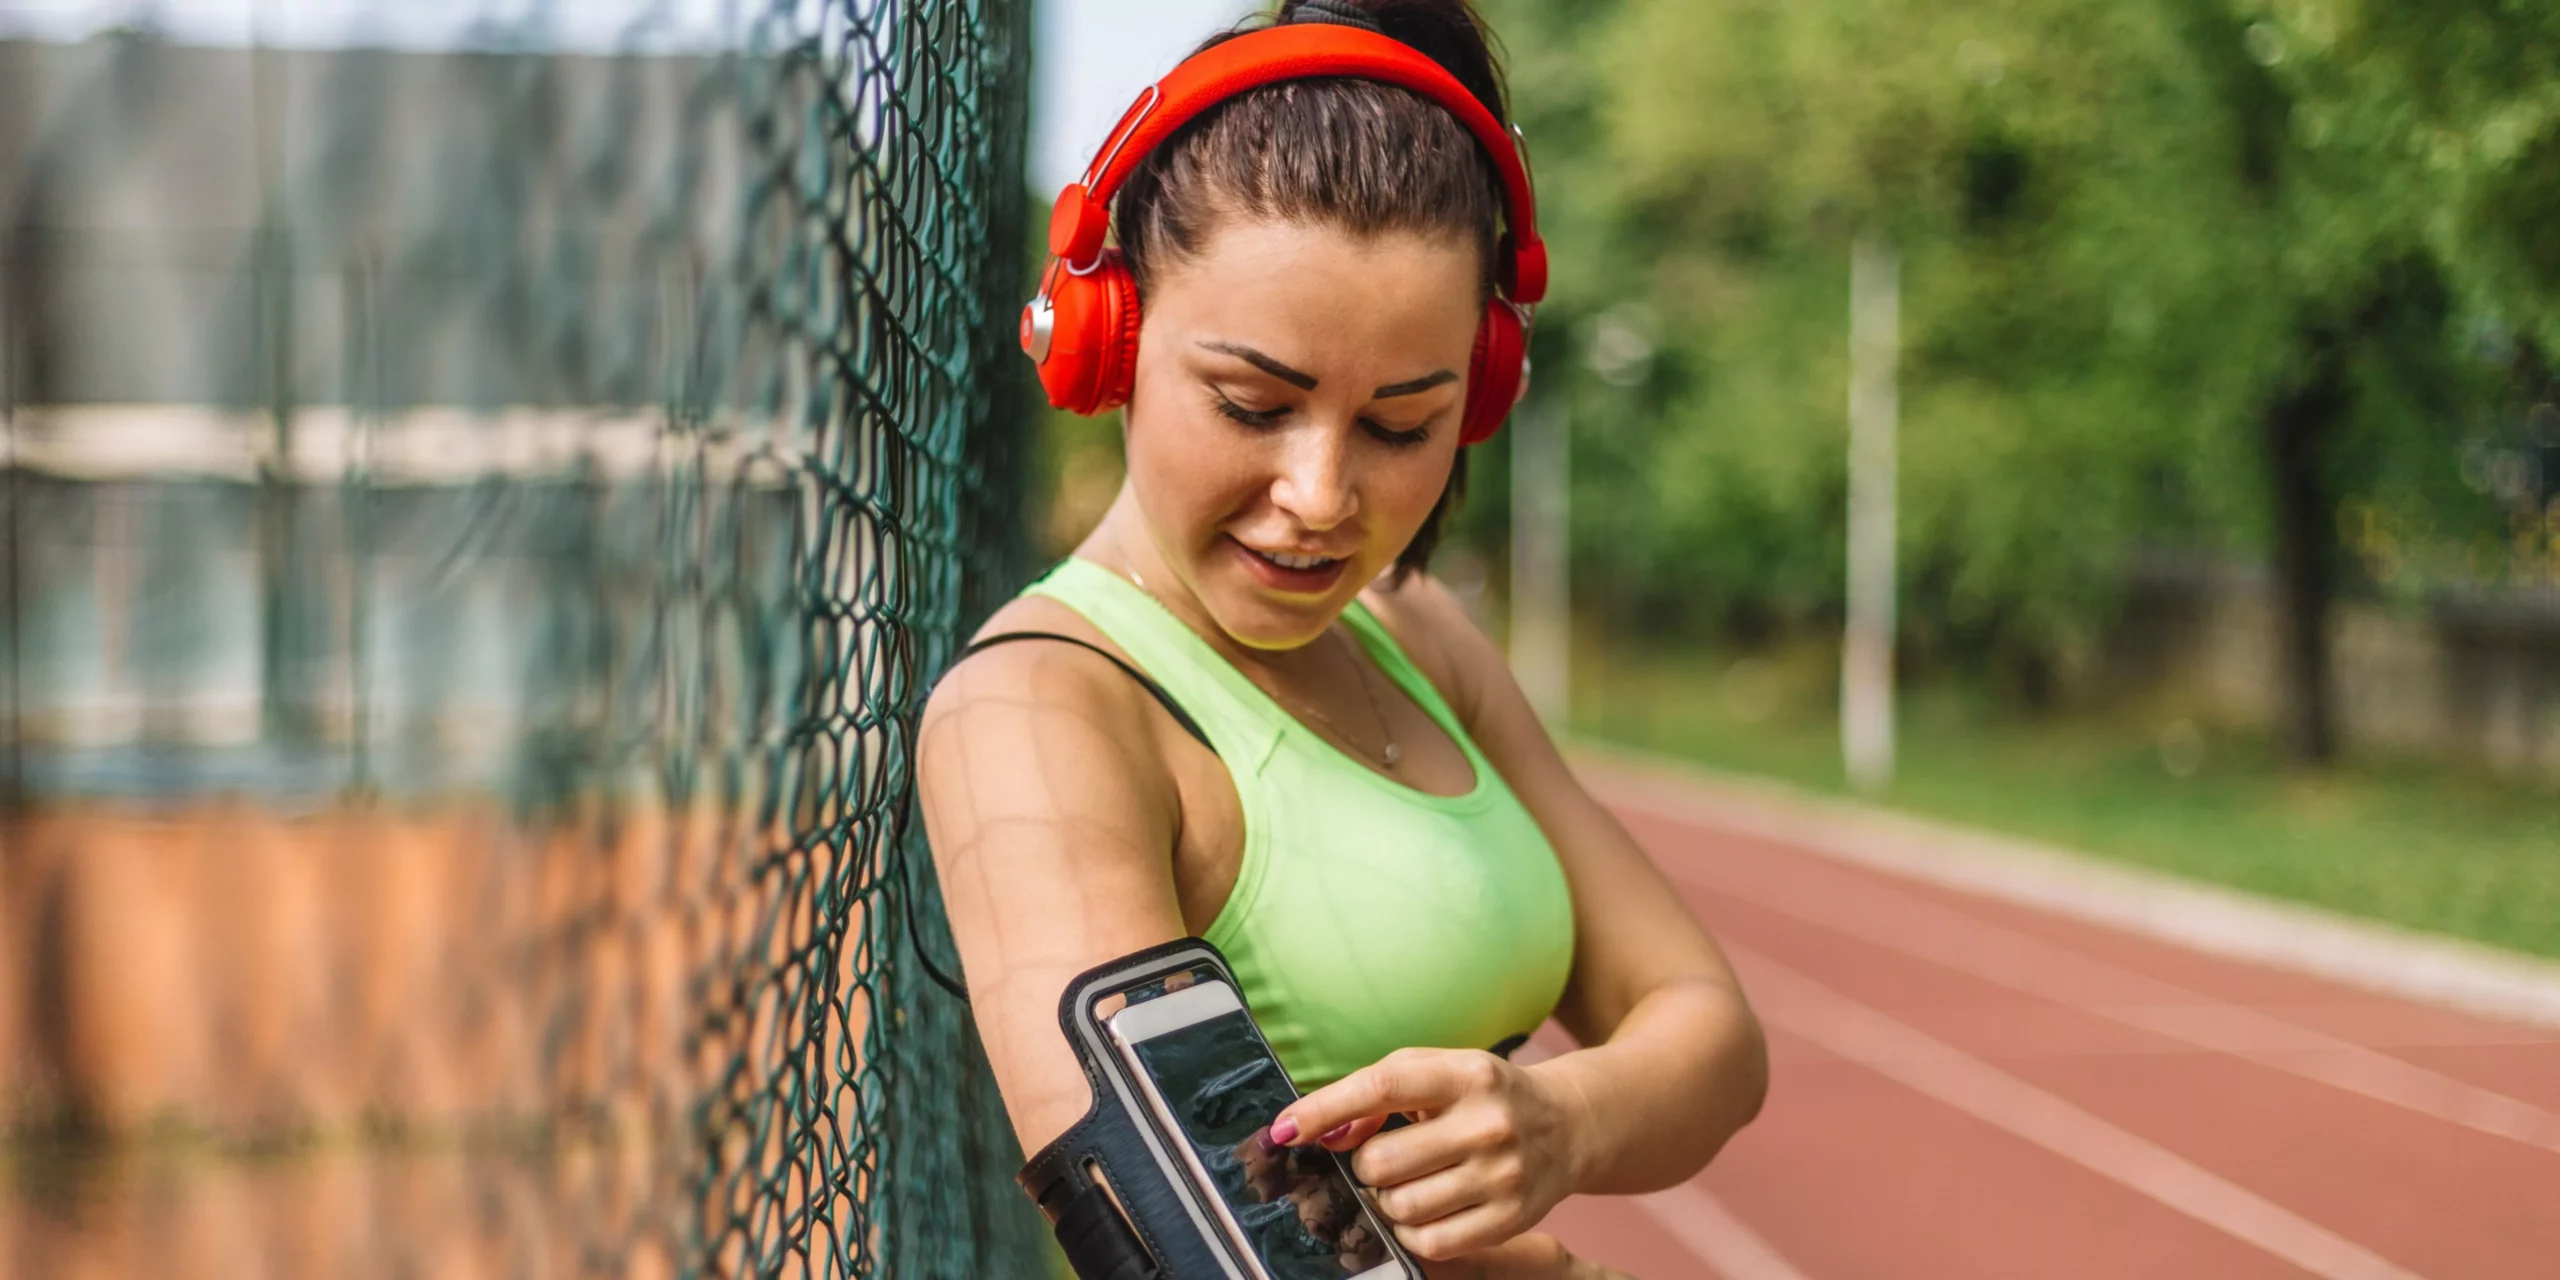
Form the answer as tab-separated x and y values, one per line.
1392	757
1394	754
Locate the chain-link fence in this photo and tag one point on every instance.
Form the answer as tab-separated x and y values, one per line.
482	510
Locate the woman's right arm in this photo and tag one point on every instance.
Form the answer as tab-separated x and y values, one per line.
1052	819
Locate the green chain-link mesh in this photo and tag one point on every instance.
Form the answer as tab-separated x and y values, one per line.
654	404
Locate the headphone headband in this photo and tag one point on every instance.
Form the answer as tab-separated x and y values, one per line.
1297	51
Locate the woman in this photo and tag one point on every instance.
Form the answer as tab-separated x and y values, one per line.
1321	765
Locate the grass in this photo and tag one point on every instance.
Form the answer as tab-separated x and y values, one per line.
2431	845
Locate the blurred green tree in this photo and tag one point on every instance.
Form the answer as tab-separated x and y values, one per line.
2444	118
2161	291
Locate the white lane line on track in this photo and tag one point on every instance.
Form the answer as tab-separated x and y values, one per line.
1923	1064
1905	922
1703	1226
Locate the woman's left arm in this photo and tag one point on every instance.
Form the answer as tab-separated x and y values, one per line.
1674	1062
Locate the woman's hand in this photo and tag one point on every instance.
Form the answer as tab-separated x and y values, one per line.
1493	1147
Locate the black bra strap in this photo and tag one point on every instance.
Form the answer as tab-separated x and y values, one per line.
1172	708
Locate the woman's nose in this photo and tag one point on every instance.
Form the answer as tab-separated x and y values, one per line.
1314	484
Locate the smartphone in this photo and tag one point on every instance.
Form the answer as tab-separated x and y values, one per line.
1211	1078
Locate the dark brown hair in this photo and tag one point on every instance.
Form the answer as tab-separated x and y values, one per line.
1355	154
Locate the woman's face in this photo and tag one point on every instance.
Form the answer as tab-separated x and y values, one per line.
1296	414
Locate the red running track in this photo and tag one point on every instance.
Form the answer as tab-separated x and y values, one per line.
1969	1088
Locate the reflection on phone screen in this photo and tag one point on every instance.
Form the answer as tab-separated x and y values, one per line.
1298	1211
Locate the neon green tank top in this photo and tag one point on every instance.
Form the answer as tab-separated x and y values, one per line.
1367	916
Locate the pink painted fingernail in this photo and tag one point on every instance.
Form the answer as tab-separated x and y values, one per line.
1335	1134
1286	1131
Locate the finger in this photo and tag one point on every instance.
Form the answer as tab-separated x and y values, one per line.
1419	1149
1345	1137
1481	1227
1406	1080
1436	1196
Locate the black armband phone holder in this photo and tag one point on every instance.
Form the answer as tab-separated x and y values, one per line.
1170	1228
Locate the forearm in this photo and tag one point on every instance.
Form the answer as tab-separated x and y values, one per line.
1682	1073
1528	1257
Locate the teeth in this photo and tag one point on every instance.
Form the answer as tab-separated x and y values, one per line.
1296	562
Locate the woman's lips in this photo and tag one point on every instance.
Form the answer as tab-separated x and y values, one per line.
1280	577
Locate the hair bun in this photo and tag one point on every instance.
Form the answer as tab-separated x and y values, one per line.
1448	32
1346	13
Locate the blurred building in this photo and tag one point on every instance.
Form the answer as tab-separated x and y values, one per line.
339	384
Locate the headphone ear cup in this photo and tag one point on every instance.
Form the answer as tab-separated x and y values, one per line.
1093	337
1120	345
1496	373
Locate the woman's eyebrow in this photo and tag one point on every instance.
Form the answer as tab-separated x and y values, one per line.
1302	381
1424	383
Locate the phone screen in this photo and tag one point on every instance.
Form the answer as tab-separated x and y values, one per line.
1299	1213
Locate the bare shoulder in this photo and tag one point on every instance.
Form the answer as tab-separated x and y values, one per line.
1442	638
1032	674
1042	707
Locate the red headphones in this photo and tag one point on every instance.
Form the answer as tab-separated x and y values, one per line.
1082	327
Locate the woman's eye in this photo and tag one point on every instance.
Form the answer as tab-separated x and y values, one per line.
1390	435
1249	417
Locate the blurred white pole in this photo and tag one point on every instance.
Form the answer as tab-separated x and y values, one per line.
1541	596
1866	652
